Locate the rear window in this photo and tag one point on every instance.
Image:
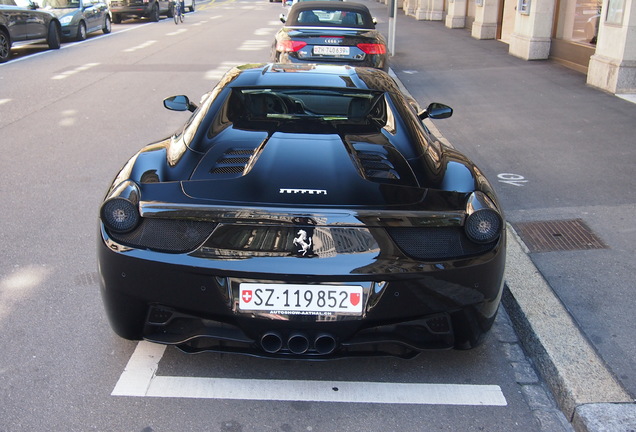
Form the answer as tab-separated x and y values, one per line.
331	17
301	105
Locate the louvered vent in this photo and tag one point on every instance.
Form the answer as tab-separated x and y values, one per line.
232	162
377	166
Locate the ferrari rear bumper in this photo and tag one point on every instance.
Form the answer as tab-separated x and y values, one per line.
192	302
194	335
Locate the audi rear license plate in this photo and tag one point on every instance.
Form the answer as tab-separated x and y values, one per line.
331	50
301	299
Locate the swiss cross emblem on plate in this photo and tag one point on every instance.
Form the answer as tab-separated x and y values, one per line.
247	296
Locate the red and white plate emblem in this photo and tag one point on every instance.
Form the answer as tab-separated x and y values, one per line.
247	296
354	298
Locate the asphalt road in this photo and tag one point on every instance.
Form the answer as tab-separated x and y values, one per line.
68	120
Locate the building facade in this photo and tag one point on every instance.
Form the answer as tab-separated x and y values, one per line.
595	37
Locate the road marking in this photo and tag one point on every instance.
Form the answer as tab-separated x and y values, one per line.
176	32
221	70
78	69
265	31
254	45
139	379
4	101
143	45
512	179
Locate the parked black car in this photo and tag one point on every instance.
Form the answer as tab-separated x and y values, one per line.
21	22
304	211
330	32
152	9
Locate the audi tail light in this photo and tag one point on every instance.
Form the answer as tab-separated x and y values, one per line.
371	48
290	45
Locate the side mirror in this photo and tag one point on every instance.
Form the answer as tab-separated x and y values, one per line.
282	18
179	103
436	111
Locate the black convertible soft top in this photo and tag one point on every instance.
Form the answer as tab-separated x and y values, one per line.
299	10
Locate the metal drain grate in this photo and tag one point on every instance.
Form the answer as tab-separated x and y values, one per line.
560	235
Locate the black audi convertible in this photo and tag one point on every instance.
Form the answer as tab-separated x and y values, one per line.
330	32
307	212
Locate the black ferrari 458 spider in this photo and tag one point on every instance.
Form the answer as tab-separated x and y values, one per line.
303	211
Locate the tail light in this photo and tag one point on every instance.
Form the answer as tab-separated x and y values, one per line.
290	45
120	215
484	223
369	48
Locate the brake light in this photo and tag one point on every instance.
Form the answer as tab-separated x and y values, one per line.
372	48
289	46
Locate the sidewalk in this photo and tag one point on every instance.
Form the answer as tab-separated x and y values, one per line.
572	151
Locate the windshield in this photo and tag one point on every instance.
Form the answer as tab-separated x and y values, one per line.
332	17
61	4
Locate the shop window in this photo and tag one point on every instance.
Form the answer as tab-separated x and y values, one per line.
578	21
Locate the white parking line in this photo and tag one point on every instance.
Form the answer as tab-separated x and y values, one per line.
140	379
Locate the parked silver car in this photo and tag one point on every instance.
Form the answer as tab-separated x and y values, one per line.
80	17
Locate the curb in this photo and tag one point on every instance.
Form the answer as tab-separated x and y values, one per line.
585	390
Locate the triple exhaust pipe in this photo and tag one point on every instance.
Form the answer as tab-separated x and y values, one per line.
298	343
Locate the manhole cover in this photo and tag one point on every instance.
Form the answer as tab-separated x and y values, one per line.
559	235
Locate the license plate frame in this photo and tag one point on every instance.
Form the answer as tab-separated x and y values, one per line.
301	299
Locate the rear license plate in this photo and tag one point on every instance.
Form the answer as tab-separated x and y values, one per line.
301	299
331	50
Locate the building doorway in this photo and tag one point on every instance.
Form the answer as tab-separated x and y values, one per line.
506	24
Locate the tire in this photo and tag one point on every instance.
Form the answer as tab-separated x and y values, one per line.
81	32
107	25
117	18
54	37
154	16
5	46
191	7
